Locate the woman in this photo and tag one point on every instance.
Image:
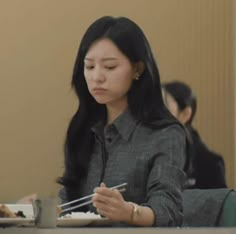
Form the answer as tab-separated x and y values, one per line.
122	131
207	167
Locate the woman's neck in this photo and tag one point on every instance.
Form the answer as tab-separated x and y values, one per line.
114	112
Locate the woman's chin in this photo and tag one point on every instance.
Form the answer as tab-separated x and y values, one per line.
101	101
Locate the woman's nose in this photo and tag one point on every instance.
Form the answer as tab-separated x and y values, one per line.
98	75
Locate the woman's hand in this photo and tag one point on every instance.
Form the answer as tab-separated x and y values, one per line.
110	203
27	199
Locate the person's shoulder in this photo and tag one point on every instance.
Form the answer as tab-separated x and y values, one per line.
207	154
202	147
164	130
173	127
215	156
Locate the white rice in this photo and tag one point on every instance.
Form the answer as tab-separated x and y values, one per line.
81	215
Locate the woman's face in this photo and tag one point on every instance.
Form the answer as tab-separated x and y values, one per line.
108	73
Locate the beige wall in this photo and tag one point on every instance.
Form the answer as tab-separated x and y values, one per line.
234	78
199	51
191	39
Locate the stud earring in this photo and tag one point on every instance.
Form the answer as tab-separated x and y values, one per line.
137	76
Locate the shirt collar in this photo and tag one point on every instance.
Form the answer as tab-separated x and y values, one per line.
124	125
97	129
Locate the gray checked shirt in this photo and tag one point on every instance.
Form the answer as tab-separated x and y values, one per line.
150	160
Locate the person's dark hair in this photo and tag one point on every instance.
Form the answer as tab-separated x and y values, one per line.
183	95
144	98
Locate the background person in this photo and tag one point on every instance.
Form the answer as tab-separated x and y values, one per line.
206	168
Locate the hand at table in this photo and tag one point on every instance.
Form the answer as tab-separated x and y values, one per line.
27	199
111	204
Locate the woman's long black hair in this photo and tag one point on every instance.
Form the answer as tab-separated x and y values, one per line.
144	98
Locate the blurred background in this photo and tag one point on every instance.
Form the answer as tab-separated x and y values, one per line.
193	41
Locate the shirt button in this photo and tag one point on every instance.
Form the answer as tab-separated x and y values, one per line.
109	139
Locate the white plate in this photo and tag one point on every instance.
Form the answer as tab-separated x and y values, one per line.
16	221
77	222
80	219
76	219
27	210
72	222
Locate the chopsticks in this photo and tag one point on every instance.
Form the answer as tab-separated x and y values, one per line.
120	187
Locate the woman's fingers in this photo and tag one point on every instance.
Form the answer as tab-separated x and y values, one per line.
118	212
108	202
103	190
102	201
103	184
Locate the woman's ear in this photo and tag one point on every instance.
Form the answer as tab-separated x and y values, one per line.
185	115
138	69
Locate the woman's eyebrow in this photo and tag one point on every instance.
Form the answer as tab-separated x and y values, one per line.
103	59
109	58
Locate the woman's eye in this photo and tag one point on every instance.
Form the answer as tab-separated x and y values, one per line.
89	67
110	67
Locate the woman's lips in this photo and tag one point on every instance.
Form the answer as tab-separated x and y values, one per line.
99	90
